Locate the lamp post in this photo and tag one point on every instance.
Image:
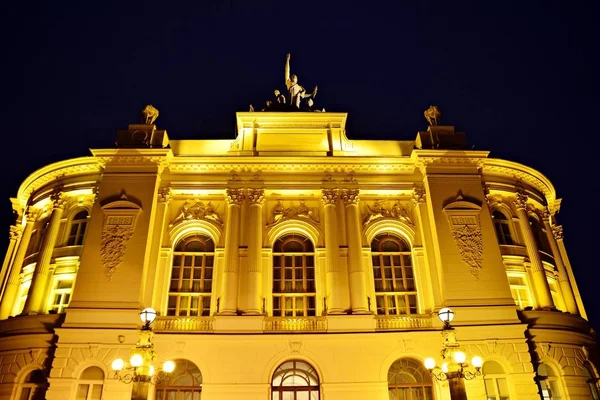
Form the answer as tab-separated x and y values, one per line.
140	370
454	368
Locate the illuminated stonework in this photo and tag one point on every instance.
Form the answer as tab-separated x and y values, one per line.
290	248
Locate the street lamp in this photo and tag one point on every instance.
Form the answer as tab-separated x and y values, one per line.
140	369
454	368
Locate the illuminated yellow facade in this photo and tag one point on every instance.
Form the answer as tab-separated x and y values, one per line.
294	249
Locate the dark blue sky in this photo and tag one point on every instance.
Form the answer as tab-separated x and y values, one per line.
520	78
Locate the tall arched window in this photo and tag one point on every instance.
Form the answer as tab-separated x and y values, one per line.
502	227
395	290
549	383
409	380
185	382
90	384
494	378
295	380
539	235
77	230
191	277
33	386
294	293
592	384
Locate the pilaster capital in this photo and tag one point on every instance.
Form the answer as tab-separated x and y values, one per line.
520	201
544	215
234	196
256	196
164	195
350	196
418	195
32	214
557	231
15	232
59	200
330	196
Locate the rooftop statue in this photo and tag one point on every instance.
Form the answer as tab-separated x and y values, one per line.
433	115
295	92
149	114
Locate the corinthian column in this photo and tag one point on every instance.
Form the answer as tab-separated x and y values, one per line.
37	292
12	284
255	238
540	283
563	277
13	238
229	296
358	291
557	235
332	252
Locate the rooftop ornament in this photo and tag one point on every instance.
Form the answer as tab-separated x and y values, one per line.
433	115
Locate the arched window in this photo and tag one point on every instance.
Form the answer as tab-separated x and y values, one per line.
395	290
77	230
90	385
294	293
502	227
37	236
592	384
33	386
191	277
539	235
494	378
185	382
409	380
549	383
295	380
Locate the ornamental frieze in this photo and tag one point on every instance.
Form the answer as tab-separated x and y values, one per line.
463	217
379	209
302	211
194	210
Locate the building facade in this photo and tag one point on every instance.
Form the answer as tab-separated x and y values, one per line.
290	263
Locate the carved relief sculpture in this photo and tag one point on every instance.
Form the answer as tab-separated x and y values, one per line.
463	217
194	209
397	211
280	213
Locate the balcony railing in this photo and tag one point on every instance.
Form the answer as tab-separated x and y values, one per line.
294	324
184	324
403	322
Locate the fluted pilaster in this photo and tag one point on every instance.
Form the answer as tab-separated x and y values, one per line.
229	295
540	283
358	290
13	239
330	199
256	199
35	297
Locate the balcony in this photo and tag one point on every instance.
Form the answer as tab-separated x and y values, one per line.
295	324
403	322
183	324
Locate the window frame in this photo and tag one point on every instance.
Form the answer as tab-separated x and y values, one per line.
90	383
422	382
503	228
278	391
81	227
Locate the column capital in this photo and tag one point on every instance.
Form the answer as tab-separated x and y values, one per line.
32	214
329	196
544	215
59	200
15	232
520	201
256	196
234	196
350	196
557	231
418	195
164	195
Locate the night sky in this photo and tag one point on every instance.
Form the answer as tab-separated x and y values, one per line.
520	78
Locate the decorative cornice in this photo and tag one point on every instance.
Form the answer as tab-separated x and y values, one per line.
329	196
234	196
256	196
15	232
557	230
362	166
350	196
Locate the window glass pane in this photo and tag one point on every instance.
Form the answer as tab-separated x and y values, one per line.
82	391
96	392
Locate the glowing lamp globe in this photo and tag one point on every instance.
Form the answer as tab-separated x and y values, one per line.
151	370
477	361
429	363
136	360
169	366
148	315
445	367
117	364
460	357
446	315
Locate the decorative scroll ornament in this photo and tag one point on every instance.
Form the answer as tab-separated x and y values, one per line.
235	196
463	217
194	209
32	214
120	217
280	213
329	196
256	196
59	200
520	201
350	196
164	194
397	211
15	232
418	195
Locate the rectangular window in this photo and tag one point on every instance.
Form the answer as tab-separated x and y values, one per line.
61	295
520	291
